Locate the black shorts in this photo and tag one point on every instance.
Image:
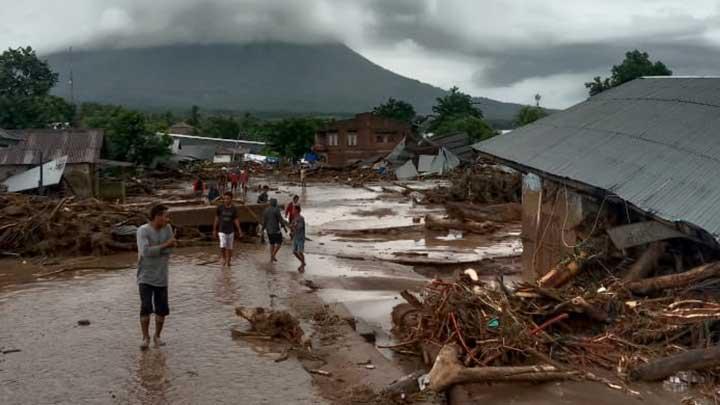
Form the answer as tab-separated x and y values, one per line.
275	238
153	300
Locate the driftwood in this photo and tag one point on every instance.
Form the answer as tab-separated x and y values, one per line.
448	371
508	212
275	324
667	366
563	272
689	277
438	223
647	262
407	385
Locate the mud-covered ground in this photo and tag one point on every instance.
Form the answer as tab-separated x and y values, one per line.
364	248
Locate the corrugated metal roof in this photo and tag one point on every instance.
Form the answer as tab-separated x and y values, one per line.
80	145
458	143
652	142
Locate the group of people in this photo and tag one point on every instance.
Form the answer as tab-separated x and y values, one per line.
272	223
238	180
156	239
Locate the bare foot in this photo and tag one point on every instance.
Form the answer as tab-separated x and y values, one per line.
145	344
301	269
158	342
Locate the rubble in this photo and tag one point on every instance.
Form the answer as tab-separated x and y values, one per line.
274	324
595	323
481	184
32	225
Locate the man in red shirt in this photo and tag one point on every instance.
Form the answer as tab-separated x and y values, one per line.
290	210
234	179
244	180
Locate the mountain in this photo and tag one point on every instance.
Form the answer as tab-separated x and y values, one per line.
272	77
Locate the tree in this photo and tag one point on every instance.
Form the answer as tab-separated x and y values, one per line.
130	136
25	83
22	74
292	137
476	128
636	64
453	106
220	127
396	109
529	114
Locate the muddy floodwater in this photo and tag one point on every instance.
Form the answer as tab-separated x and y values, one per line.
47	357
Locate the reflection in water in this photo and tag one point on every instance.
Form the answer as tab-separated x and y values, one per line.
225	289
152	376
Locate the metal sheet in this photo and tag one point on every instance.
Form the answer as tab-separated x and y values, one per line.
28	180
406	171
652	142
641	233
425	163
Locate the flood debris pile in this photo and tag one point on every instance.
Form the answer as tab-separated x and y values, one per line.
272	324
482	184
32	225
593	322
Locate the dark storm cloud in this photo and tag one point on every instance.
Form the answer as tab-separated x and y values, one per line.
683	57
504	42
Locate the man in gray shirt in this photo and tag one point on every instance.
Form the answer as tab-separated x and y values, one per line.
272	221
154	241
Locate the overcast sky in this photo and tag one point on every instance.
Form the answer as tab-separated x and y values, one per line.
503	49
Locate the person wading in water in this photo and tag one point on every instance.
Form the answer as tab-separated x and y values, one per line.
154	242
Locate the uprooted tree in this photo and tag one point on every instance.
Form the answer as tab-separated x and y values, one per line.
636	64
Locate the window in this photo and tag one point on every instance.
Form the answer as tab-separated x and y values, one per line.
332	140
352	139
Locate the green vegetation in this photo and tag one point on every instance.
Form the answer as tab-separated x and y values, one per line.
396	109
25	100
529	114
456	112
129	135
636	64
292	137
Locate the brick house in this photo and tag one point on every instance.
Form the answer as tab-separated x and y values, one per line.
347	141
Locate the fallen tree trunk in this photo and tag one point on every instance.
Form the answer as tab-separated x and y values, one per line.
647	262
438	223
448	371
508	212
659	369
695	275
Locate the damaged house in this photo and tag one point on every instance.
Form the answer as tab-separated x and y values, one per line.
638	161
81	146
367	135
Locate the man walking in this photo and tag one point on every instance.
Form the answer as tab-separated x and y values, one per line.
290	211
226	223
244	180
272	222
154	241
298	237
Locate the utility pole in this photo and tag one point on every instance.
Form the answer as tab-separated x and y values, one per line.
71	81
